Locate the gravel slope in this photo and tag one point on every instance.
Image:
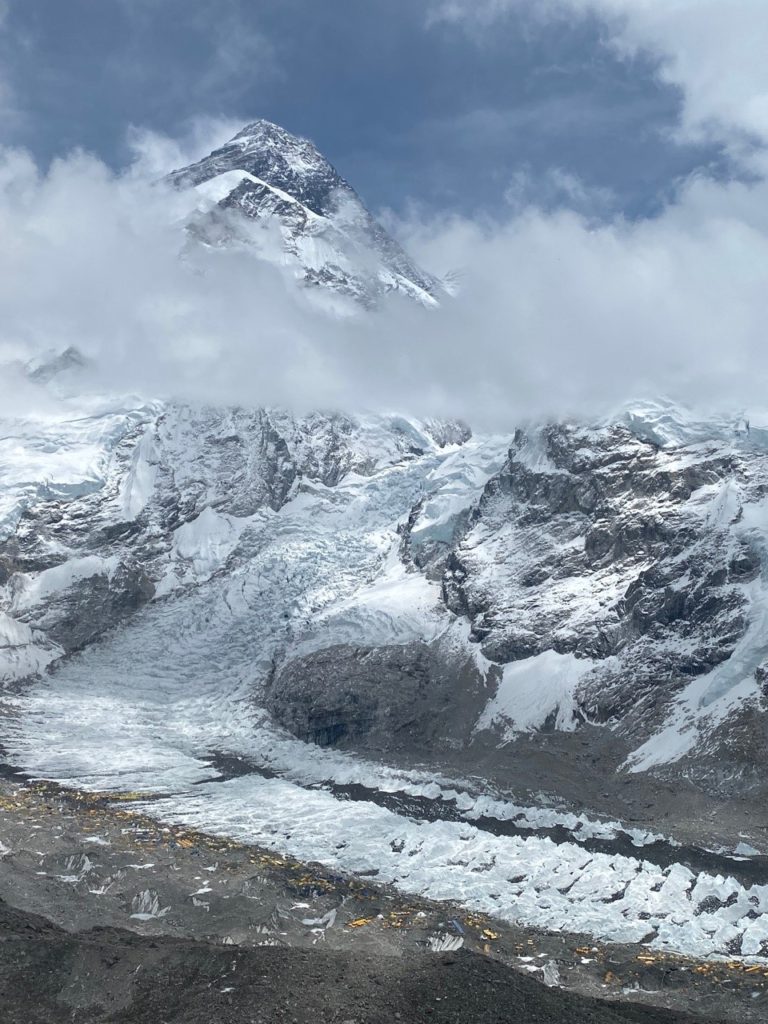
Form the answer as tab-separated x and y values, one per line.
47	976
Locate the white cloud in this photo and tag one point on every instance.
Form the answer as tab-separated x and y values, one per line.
556	188
566	316
155	154
556	314
715	51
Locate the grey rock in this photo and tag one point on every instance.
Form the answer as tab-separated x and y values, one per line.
383	697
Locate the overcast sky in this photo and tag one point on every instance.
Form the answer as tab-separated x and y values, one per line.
597	168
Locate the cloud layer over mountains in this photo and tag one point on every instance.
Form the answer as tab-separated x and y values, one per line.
561	308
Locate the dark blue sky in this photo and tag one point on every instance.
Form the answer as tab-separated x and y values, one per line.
408	112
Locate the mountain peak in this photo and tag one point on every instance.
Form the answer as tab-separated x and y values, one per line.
263	134
52	363
263	129
261	124
265	171
273	154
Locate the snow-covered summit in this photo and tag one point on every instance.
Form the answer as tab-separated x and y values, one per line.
578	607
269	152
328	236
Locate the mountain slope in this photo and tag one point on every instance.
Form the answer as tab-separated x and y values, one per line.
242	611
197	577
596	577
267	178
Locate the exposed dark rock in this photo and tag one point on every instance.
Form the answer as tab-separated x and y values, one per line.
596	548
77	615
383	697
49	976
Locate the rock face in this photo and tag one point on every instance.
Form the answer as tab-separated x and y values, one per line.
76	602
645	564
384	584
602	545
269	179
343	694
380	699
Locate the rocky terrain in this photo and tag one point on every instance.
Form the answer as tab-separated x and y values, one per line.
111	917
117	977
402	607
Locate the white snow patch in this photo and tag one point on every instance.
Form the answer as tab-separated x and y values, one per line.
215	189
29	591
456	485
746	850
208	541
139	483
146	906
97	840
533	690
23	651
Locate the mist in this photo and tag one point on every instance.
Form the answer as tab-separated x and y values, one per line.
558	313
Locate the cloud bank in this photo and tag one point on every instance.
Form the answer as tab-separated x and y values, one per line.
556	314
565	308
